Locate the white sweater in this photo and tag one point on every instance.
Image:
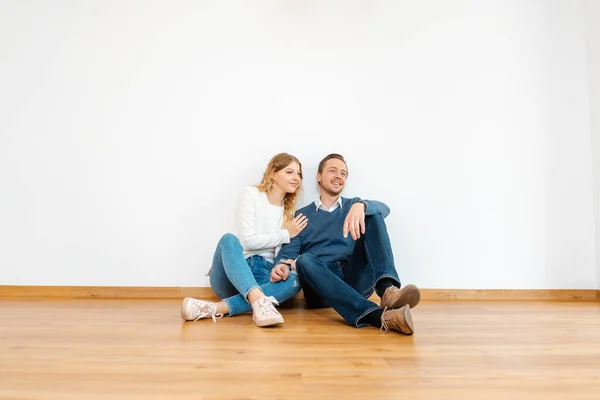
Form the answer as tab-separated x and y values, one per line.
259	225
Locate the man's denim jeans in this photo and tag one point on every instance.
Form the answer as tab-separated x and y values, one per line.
232	277
347	286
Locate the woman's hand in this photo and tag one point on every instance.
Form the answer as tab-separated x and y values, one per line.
280	272
296	225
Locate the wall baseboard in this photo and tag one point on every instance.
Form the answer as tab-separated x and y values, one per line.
512	294
104	292
136	292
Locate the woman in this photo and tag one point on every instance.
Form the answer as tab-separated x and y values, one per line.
240	273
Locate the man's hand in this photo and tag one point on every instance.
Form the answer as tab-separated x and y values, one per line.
280	272
355	221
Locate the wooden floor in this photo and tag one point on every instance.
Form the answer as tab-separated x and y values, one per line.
141	349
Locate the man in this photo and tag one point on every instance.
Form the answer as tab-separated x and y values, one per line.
344	254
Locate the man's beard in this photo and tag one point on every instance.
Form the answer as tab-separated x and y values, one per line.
331	192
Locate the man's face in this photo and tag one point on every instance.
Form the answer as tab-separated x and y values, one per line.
333	178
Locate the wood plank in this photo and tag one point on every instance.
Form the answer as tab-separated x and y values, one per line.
123	292
141	349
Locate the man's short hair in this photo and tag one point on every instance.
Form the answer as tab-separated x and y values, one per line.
329	157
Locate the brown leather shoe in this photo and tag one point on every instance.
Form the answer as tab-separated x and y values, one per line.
394	297
399	320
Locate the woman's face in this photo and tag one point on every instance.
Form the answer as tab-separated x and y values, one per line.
289	178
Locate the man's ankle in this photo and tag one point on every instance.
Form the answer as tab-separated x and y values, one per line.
374	317
383	284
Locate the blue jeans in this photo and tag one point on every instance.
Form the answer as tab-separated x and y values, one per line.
232	277
346	286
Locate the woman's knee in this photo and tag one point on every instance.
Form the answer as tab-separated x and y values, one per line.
228	241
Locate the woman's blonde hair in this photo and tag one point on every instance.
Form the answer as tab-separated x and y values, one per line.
277	163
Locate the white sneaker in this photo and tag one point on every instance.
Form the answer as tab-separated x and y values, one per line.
264	312
194	309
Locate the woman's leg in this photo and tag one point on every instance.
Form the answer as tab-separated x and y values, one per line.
231	277
281	291
263	311
230	274
232	280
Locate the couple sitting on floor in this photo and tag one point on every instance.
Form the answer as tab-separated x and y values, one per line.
336	249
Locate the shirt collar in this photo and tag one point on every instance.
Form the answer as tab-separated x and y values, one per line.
321	206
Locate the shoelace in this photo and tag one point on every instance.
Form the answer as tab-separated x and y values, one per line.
205	309
384	327
267	309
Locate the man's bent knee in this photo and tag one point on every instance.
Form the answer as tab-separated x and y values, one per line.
374	219
306	260
309	267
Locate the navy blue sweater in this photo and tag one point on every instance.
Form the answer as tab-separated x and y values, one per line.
323	236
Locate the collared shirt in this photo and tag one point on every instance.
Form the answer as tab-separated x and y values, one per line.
321	206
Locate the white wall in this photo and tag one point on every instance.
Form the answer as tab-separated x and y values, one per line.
128	129
592	13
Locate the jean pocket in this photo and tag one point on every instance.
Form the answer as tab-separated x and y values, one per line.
257	263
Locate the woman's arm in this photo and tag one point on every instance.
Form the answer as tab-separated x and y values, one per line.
246	223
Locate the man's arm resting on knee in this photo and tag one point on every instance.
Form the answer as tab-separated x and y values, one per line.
373	207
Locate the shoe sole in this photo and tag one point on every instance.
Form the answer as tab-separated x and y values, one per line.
411	295
268	322
184	308
409	321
